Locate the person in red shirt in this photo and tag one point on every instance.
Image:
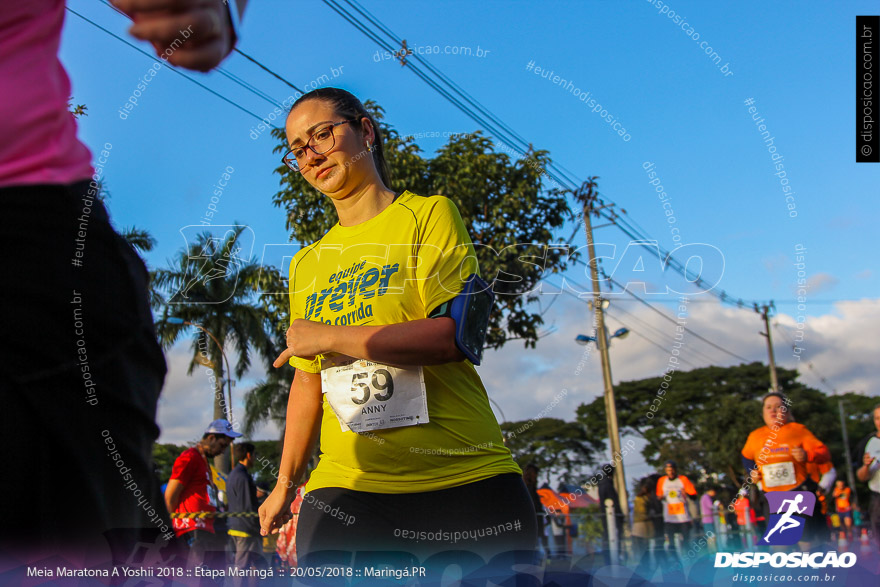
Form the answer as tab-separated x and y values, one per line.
745	518
191	489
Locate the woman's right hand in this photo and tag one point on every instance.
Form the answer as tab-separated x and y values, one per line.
275	511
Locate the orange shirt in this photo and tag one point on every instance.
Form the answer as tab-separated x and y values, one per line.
841	499
671	493
771	450
741	506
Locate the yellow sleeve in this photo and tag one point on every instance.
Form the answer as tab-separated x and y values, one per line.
446	256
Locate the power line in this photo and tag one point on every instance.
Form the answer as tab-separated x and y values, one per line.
637	333
650	341
665	317
657	331
264	68
422	75
180	73
706	340
626	226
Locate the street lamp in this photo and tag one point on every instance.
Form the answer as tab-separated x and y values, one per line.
220	462
583	339
610	409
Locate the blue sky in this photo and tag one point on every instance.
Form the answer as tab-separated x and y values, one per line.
794	59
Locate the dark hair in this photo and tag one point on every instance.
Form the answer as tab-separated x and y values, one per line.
347	106
240	451
531	466
778	394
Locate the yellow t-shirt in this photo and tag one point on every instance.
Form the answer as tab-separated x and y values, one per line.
393	268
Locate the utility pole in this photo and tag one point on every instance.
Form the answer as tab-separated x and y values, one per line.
587	195
849	470
774	381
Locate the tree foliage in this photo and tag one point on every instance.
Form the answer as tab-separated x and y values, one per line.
558	448
140	239
509	214
164	456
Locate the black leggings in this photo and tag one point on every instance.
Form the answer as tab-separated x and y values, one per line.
486	517
80	379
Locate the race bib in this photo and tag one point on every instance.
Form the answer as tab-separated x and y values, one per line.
368	396
778	474
675	509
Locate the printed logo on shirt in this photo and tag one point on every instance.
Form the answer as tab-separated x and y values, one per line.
345	299
786	525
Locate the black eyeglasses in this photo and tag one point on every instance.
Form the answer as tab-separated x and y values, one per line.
319	143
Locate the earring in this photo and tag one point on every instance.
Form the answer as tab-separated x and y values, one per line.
370	147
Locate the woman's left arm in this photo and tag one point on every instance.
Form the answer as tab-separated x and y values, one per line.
428	341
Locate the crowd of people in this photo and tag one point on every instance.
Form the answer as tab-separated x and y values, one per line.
672	516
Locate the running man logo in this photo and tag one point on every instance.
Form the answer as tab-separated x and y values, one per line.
786	526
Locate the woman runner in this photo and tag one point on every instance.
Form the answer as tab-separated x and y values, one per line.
412	458
777	455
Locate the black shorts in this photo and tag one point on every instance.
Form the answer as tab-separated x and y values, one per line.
81	375
487	517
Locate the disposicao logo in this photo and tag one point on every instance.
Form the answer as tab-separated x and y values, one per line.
786	526
791	560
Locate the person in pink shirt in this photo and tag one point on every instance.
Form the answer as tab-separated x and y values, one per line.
82	369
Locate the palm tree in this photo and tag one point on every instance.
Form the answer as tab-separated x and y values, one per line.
139	239
211	286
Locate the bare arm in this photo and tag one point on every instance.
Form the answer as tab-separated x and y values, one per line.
864	472
172	495
429	341
301	432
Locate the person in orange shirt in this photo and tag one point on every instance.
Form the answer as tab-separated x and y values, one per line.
673	490
777	454
842	495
